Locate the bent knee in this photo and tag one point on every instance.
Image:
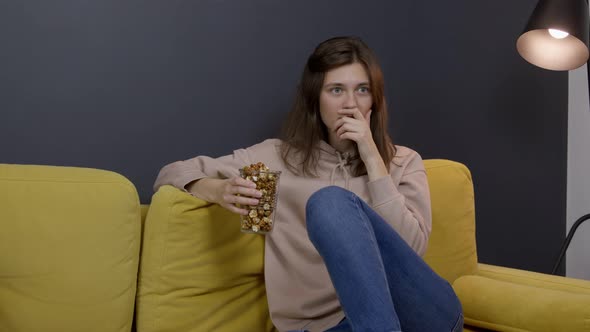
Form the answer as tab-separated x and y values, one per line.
323	206
325	197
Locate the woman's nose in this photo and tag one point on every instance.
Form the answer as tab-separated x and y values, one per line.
350	101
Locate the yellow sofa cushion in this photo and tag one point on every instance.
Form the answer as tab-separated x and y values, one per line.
451	249
198	272
69	249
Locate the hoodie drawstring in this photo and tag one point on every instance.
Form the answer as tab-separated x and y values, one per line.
343	160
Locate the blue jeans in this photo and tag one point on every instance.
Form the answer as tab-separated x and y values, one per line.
382	284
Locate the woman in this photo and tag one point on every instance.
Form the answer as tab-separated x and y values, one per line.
354	214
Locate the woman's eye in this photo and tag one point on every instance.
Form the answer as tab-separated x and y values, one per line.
336	91
363	89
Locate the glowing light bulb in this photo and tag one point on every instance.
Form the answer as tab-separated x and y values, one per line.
558	34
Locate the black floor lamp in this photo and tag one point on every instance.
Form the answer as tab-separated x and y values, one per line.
556	38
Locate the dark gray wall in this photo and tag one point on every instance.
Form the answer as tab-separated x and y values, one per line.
132	85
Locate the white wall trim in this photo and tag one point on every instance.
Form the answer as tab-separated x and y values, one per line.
578	174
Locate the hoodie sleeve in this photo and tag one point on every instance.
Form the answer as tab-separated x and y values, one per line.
406	207
181	173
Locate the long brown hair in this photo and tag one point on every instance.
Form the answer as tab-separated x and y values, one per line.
304	128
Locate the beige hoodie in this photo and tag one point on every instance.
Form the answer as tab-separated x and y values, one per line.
299	290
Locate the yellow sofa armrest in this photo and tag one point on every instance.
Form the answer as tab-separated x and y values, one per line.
534	279
504	305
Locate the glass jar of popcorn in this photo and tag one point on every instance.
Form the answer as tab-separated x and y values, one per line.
260	218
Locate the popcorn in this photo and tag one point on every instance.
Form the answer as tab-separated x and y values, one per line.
260	217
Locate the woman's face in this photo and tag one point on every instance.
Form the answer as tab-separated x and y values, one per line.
345	87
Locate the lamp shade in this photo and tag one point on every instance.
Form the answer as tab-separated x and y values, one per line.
544	42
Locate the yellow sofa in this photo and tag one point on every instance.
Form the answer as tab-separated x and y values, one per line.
70	238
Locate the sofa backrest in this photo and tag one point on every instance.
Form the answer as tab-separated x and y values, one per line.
451	248
69	249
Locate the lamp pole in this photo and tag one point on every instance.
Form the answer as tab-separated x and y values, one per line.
567	241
